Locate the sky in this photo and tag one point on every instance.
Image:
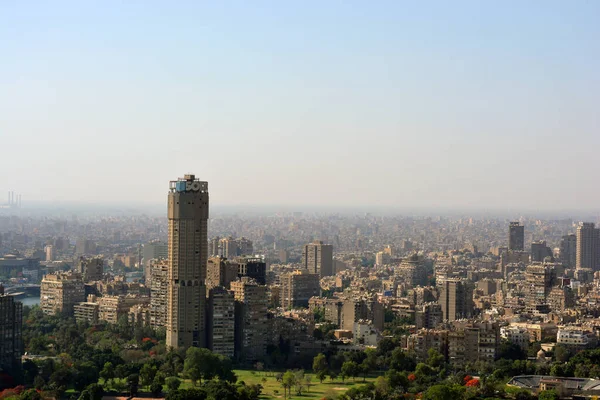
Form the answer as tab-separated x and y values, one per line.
450	104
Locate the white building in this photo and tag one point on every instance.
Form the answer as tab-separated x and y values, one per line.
516	335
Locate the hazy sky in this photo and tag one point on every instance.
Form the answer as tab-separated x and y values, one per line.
455	104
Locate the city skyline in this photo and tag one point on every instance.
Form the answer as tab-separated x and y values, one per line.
434	105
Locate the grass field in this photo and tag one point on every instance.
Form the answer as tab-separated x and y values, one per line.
273	390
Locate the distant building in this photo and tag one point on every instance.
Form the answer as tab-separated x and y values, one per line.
154	251
516	237
221	321
220	272
84	247
318	258
49	250
588	246
469	342
60	292
421	341
297	288
159	287
428	316
252	267
11	323
87	311
576	338
539	251
516	335
251	302
568	250
456	299
91	269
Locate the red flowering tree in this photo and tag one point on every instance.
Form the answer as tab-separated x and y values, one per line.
472	383
412	377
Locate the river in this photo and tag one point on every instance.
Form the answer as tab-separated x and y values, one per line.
30	301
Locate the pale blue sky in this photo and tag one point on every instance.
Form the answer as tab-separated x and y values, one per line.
444	103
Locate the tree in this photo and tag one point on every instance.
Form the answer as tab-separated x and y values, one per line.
200	363
548	395
156	389
434	359
147	374
30	394
133	381
443	392
38	383
288	380
173	383
320	366
94	392
561	354
350	368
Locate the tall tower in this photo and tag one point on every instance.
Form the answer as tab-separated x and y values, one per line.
188	253
456	299
516	236
318	258
588	243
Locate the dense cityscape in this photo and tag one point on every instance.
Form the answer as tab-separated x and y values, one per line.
295	304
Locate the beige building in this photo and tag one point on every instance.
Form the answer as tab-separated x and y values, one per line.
91	269
420	342
221	321
297	288
456	299
318	258
472	342
59	292
188	254
87	310
159	286
251	302
220	272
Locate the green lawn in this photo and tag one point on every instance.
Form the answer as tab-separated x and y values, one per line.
273	390
317	390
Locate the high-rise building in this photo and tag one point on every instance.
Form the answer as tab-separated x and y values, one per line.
539	251
220	272
159	288
84	246
155	250
318	258
214	247
516	237
229	247
456	299
251	303
188	253
298	287
428	315
245	247
568	250
60	292
11	339
588	243
92	269
253	267
220	324
49	253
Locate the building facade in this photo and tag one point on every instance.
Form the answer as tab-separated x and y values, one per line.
11	337
297	288
516	237
221	321
60	292
251	303
188	254
588	243
317	257
456	299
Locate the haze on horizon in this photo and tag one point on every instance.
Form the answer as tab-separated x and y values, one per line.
439	104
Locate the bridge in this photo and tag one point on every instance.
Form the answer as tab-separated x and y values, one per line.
26	288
